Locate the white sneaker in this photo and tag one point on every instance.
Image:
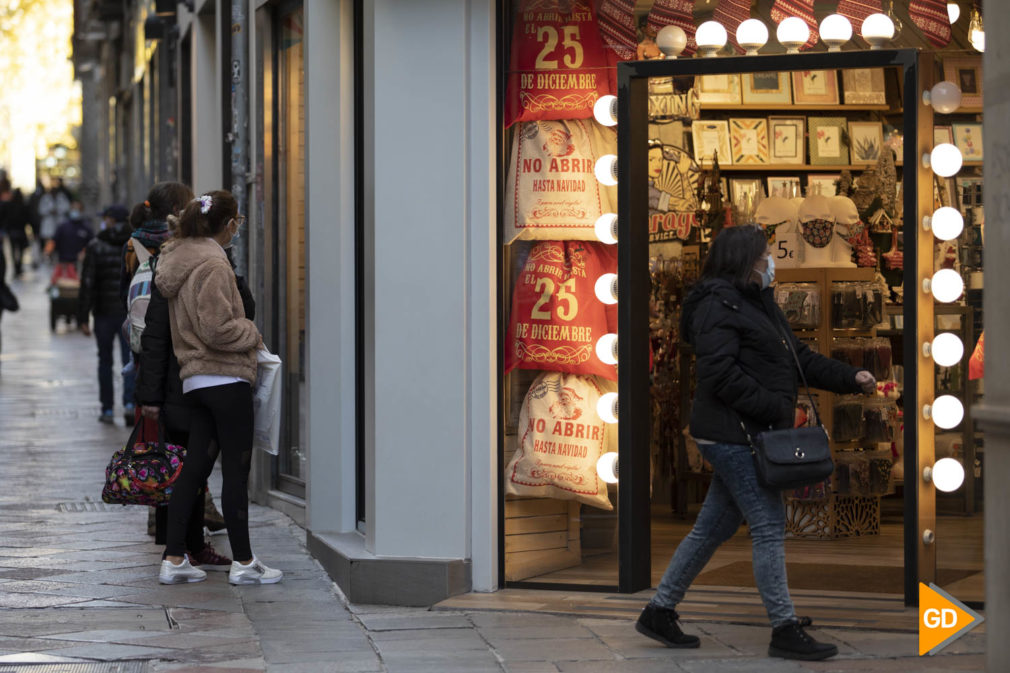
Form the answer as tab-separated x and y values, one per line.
254	573
180	574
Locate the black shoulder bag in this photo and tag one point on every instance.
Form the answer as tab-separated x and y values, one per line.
796	457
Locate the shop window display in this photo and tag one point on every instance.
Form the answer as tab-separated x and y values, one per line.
819	168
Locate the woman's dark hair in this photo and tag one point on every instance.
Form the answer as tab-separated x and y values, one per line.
138	216
733	254
221	207
166	198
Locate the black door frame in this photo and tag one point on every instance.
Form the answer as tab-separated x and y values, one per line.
633	255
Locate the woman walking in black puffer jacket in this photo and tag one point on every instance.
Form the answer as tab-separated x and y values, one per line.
746	383
99	295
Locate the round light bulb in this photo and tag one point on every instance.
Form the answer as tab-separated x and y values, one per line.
976	36
947	475
945	160
752	34
946	349
606	228
606	288
946	411
835	31
711	38
671	40
878	30
606	169
946	286
605	110
792	34
606	407
945	97
606	467
947	223
606	349
953	12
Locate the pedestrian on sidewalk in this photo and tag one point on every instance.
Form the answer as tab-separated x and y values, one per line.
150	227
216	348
52	208
746	384
69	242
99	295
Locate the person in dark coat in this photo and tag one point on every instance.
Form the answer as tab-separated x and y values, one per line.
17	219
747	383
99	296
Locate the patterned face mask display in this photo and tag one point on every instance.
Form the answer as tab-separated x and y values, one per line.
818	232
770	230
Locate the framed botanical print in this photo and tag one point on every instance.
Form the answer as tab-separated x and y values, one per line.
827	141
766	87
786	139
815	87
864	86
866	140
943	134
711	138
824	184
718	88
786	186
968	139
749	140
966	73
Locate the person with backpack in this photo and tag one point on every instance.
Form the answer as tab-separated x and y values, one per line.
99	296
150	222
216	347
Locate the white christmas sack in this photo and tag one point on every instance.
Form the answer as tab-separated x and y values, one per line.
561	438
267	403
551	191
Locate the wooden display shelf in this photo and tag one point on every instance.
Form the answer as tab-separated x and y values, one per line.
806	108
806	168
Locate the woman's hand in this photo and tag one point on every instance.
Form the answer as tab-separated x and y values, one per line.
150	412
866	382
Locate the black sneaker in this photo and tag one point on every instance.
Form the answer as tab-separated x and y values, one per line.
661	624
790	641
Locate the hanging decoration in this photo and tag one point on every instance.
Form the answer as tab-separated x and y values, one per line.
731	13
856	11
804	9
617	27
678	13
932	19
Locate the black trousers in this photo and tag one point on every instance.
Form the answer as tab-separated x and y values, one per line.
177	420
222	413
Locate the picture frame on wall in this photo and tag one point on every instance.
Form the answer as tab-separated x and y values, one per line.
968	139
827	141
943	134
815	87
744	193
969	192
864	86
711	137
822	183
786	140
749	141
786	186
762	88
966	73
718	88
866	142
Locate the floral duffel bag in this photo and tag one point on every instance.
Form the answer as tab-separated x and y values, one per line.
143	472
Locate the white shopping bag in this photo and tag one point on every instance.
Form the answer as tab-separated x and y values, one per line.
267	403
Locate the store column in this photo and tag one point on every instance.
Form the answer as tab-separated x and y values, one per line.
994	413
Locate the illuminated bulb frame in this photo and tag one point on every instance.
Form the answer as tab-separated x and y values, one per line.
671	40
929	349
953	12
606	228
606	349
835	43
876	40
929	285
607	283
928	411
605	110
606	408
782	34
606	174
747	32
607	467
935	92
946	231
711	49
944	171
929	474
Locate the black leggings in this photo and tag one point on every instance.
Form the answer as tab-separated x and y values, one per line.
224	413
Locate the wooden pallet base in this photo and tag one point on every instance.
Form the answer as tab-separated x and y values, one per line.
834	517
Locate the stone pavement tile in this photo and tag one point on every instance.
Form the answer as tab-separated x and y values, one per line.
438	661
72	589
970	643
119	577
163	667
753	640
27	573
763	665
104	604
494	634
561	649
450	639
16	600
413	620
626	666
37	658
113	652
938	664
31	552
874	643
109	635
352	662
295	650
29	644
516	619
530	667
176	640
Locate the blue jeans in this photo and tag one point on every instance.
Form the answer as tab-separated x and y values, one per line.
106	332
734	495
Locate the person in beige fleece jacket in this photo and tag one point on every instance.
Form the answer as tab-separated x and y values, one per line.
216	347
